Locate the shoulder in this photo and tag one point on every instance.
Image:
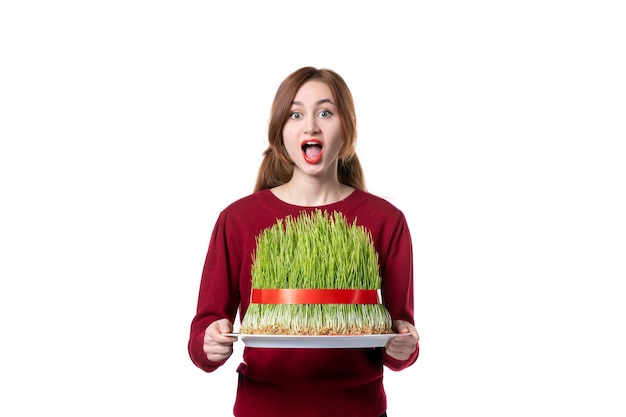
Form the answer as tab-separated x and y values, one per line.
249	202
376	203
254	212
374	212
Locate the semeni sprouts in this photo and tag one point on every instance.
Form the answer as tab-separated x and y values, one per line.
316	251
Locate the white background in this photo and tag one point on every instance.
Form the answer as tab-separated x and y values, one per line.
496	126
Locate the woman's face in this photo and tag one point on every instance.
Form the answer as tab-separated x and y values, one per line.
312	135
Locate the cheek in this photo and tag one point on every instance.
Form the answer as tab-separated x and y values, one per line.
292	148
289	134
340	147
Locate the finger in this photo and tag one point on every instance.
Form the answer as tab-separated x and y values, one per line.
401	326
401	342
409	341
221	349
225	326
215	336
224	340
219	356
400	354
216	330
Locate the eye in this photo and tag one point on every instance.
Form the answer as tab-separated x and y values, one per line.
325	114
295	115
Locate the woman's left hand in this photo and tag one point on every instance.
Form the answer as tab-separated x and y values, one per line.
401	348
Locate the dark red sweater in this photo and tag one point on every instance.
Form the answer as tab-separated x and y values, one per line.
302	382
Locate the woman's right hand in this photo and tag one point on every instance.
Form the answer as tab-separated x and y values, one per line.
218	347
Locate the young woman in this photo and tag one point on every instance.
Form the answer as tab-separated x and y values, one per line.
310	164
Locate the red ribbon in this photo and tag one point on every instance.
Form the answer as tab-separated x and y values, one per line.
313	296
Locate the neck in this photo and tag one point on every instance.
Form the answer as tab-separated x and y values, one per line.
310	192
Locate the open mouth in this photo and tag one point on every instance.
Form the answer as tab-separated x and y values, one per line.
312	150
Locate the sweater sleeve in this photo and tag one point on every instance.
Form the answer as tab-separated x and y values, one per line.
397	283
218	295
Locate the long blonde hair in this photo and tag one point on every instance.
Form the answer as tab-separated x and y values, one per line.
276	167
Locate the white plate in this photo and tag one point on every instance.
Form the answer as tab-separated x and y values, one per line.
313	341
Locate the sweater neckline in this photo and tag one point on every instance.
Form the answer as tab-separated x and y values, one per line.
352	196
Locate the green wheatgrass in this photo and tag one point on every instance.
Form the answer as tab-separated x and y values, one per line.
316	251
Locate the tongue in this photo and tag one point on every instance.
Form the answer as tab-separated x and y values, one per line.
312	151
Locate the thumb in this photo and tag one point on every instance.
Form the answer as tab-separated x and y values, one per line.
402	327
225	326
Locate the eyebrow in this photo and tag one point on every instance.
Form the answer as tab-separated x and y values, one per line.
322	101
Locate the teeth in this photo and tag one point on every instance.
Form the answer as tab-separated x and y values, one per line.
312	144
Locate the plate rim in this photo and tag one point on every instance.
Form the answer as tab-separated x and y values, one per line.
298	336
356	341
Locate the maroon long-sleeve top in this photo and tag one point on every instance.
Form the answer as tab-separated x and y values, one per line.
302	382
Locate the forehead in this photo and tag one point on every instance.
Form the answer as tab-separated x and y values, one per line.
313	91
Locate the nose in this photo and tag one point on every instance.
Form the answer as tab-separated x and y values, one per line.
311	126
